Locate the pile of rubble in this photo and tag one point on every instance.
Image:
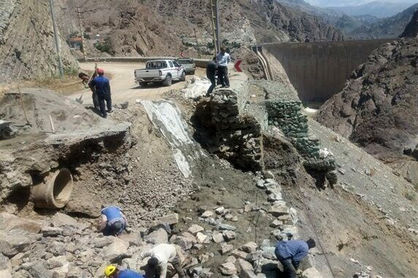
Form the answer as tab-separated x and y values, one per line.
62	246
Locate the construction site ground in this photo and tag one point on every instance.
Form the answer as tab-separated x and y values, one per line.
123	85
365	223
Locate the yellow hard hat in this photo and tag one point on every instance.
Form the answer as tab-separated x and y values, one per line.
110	270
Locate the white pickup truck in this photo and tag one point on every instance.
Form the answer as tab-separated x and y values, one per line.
160	71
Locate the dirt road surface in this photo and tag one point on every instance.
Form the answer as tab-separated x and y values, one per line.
123	85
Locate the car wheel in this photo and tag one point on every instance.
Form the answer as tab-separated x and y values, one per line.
192	73
143	84
183	76
168	81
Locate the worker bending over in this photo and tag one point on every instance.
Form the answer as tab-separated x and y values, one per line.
160	256
290	253
113	221
114	272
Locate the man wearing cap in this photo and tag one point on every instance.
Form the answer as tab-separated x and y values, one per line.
113	221
113	271
290	253
102	86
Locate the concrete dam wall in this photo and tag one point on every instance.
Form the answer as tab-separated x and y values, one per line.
318	70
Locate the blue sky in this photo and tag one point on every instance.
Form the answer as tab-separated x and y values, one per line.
325	3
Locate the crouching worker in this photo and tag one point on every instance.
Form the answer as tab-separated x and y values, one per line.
114	272
113	221
160	256
290	253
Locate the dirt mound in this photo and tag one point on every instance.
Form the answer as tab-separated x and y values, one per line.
378	107
27	41
41	106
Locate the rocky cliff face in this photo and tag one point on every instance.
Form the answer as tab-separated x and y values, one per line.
170	27
411	29
27	47
378	108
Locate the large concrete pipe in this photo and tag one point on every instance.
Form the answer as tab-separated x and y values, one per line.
55	191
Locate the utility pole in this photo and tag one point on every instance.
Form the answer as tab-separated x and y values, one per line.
54	25
83	48
215	24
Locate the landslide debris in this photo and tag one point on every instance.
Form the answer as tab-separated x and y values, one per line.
378	107
27	48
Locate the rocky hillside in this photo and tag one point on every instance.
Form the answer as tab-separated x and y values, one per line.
170	27
27	42
378	107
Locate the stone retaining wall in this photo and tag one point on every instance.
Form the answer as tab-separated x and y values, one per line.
238	135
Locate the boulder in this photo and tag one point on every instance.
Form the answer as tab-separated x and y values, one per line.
207	214
116	249
14	243
225	248
246	269
224	227
5	273
217	237
185	240
60	219
37	270
278	210
156	237
311	273
170	219
201	238
10	222
228	235
51	231
249	247
228	269
220	211
194	229
239	254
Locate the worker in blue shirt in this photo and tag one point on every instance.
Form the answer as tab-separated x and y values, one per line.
113	221
102	87
113	271
290	253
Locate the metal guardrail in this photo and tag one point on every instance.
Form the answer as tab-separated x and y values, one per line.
199	62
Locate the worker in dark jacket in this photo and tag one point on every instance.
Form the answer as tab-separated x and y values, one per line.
113	221
102	86
290	253
211	75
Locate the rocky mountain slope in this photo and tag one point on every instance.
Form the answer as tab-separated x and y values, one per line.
170	27
411	30
378	107
27	42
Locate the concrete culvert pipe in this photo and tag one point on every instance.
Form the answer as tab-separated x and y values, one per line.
55	191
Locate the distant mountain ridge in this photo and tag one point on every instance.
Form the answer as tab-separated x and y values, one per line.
360	26
380	9
391	27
